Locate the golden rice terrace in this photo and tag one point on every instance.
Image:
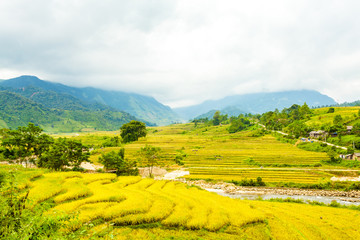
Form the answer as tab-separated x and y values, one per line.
136	208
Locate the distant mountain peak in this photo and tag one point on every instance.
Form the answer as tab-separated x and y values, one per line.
29	77
258	102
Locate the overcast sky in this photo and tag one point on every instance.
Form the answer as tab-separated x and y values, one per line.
187	51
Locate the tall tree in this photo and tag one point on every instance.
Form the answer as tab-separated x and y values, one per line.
216	118
132	131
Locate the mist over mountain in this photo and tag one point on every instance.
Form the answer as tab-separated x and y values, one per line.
142	107
257	102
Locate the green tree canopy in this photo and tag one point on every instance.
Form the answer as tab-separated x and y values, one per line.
238	124
216	118
25	142
331	110
116	160
64	152
132	131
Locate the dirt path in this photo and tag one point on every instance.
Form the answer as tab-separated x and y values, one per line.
175	174
90	166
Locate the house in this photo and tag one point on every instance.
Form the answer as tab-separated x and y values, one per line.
317	134
354	156
349	129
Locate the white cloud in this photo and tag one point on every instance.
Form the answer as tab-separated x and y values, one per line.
184	52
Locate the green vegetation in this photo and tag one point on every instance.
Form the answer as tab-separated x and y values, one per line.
132	131
116	160
64	152
16	110
95	102
29	145
149	157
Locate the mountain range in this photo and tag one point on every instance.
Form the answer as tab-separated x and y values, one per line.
256	103
144	108
61	108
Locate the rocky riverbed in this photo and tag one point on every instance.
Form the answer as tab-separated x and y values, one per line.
230	188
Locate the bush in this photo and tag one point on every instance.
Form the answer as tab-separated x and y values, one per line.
354	186
116	160
250	183
112	142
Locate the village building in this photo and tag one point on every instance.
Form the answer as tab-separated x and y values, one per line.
354	156
317	134
349	129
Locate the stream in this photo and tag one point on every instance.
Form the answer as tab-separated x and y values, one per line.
254	196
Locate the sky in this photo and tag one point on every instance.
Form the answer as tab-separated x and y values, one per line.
187	51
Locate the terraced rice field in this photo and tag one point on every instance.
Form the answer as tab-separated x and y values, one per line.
213	153
134	208
265	150
348	114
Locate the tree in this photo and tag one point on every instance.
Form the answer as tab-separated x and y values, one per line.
333	156
238	124
116	160
150	157
112	142
298	128
331	110
356	129
216	118
132	131
64	152
25	143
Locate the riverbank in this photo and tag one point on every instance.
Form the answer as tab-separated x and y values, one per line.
230	188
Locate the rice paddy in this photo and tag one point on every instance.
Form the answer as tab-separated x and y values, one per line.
213	153
113	207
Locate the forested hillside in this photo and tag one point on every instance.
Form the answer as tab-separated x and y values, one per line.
142	107
16	110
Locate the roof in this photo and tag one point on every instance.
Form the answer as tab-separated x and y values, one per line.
319	132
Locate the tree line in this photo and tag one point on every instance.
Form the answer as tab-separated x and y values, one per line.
30	145
237	124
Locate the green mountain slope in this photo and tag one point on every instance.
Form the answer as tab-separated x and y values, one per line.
16	110
56	100
142	107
